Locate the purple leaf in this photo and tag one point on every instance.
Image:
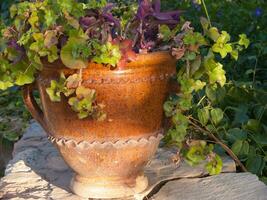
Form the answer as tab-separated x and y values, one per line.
157	6
20	50
108	7
144	9
86	22
62	41
110	18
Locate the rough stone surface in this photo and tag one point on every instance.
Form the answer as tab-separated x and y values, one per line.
231	186
38	172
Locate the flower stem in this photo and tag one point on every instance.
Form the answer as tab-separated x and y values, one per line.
206	11
218	141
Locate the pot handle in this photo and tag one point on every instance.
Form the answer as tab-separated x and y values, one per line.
32	106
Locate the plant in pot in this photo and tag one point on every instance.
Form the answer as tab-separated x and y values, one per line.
103	81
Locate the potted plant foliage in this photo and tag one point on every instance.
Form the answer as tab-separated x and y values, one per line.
103	77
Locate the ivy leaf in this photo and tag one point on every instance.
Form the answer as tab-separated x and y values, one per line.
221	46
194	38
240	115
67	57
50	38
214	166
56	88
165	33
33	20
73	81
178	134
244	41
215	93
25	38
195	65
50	17
83	102
255	164
254	126
24	78
52	92
195	155
199	85
204	23
234	54
72	21
216	115
5	85
180	119
53	54
203	115
235	134
109	54
240	148
11	136
217	74
213	33
168	107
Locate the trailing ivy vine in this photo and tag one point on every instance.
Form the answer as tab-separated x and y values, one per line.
201	77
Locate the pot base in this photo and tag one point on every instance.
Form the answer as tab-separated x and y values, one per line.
106	188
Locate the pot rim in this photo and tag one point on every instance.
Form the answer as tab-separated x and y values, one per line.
141	63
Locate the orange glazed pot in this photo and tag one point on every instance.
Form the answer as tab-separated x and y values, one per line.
108	156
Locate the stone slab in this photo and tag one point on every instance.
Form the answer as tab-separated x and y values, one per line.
231	186
38	172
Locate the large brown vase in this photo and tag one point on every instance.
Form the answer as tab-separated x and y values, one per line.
109	156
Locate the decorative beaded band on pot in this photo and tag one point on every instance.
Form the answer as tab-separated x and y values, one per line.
122	80
118	144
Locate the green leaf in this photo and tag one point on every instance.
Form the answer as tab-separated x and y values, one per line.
217	74
72	21
237	146
254	126
24	78
53	55
52	92
215	93
50	17
109	54
216	115
203	115
195	65
234	54
33	20
213	33
5	84
221	46
168	107
205	23
67	57
240	114
165	32
244	41
236	134
50	38
11	136
180	119
255	164
178	134
240	148
214	166
25	38
195	155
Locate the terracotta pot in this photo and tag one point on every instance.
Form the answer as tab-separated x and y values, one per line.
108	157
